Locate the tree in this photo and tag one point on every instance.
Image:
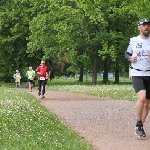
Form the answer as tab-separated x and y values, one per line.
90	35
15	17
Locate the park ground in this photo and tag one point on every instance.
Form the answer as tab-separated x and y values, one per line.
105	123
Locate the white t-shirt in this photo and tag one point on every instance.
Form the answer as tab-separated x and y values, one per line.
140	47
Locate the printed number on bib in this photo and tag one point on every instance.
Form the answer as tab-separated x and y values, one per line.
42	78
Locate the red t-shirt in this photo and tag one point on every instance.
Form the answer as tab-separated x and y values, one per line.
43	72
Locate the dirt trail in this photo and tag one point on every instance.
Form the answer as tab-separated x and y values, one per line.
106	124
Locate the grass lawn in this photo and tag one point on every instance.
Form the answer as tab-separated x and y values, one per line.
122	91
27	125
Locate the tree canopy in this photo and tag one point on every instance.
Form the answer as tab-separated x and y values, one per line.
74	37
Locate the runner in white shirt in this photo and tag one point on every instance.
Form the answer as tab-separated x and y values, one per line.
138	53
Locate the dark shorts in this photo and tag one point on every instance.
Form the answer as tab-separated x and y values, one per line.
45	81
31	81
141	83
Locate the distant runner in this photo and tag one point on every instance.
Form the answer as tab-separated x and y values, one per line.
30	74
17	78
42	72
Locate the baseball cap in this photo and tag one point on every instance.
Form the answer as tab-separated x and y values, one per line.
142	21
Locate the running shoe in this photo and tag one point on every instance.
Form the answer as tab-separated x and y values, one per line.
139	131
43	96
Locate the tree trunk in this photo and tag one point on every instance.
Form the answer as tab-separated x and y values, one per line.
81	74
117	73
105	73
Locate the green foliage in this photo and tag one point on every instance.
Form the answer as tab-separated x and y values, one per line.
32	30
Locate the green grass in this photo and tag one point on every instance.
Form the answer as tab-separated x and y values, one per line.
27	125
122	91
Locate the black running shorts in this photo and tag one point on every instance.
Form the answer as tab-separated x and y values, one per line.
31	81
141	83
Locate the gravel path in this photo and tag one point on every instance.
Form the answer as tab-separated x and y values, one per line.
106	124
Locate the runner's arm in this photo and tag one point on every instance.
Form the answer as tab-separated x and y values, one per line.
128	52
14	76
37	71
27	74
127	55
33	74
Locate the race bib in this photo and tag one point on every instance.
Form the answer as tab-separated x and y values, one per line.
42	78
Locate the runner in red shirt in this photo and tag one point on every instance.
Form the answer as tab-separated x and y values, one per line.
42	72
